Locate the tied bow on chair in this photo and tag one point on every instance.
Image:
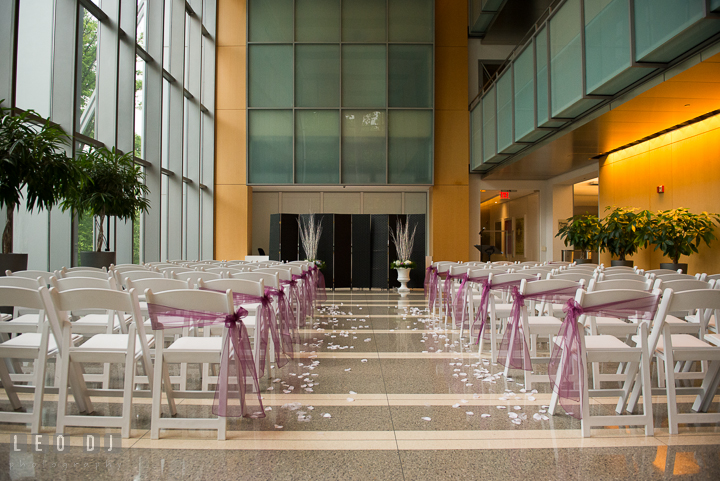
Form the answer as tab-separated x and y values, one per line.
236	346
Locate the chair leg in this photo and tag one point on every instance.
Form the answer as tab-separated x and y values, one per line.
670	379
709	387
631	379
646	386
157	393
128	384
585	398
62	395
9	387
555	395
40	366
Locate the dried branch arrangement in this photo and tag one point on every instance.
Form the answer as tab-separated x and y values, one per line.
403	240
310	231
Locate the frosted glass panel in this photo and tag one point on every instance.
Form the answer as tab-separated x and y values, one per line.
565	57
607	41
271	76
410	77
410	151
363	76
271	20
363	21
542	80
524	94
476	130
410	20
658	21
270	146
363	147
317	75
489	128
317	20
34	59
317	146
505	114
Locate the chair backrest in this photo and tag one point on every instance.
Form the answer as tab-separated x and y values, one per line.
135	275
283	274
589	300
623	275
83	268
174	269
706	301
710	277
482	273
536	270
269	279
241	286
194	276
97	274
680	285
641	284
511	277
458	270
675	277
223	271
618	269
193	300
37	299
32	274
529	264
68	283
574	276
658	272
71	300
531	288
130	268
24	282
157	284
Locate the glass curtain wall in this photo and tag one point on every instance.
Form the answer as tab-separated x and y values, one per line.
129	74
340	92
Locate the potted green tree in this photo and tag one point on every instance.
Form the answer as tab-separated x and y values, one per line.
34	167
114	186
583	233
622	233
679	232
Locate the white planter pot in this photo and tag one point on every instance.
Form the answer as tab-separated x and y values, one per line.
403	278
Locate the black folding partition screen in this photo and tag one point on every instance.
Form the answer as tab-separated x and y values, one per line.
356	248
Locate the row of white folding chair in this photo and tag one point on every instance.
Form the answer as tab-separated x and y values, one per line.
606	348
99	348
673	349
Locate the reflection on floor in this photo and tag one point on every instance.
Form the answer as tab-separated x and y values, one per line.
379	391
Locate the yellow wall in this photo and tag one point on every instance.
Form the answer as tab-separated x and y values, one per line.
449	209
450	196
687	162
233	198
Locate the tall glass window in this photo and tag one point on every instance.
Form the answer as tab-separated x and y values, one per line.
34	57
88	64
340	91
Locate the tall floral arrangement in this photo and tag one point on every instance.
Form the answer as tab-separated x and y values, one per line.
403	240
310	231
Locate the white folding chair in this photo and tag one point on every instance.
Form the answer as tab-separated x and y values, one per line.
129	349
193	277
606	348
678	348
199	350
36	346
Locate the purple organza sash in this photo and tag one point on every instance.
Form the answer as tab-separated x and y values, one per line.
482	312
514	351
266	323
431	284
566	370
286	320
227	402
294	291
461	297
304	300
449	290
318	284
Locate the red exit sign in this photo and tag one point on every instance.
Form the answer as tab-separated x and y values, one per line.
504	195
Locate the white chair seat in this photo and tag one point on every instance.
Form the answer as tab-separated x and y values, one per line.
24	323
5	317
252	307
30	340
95	320
683	341
111	342
544	320
605	342
196	344
713	339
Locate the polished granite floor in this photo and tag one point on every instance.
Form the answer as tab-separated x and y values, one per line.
380	391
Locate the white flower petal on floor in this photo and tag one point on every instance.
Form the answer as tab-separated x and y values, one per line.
425	418
484	415
350	399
